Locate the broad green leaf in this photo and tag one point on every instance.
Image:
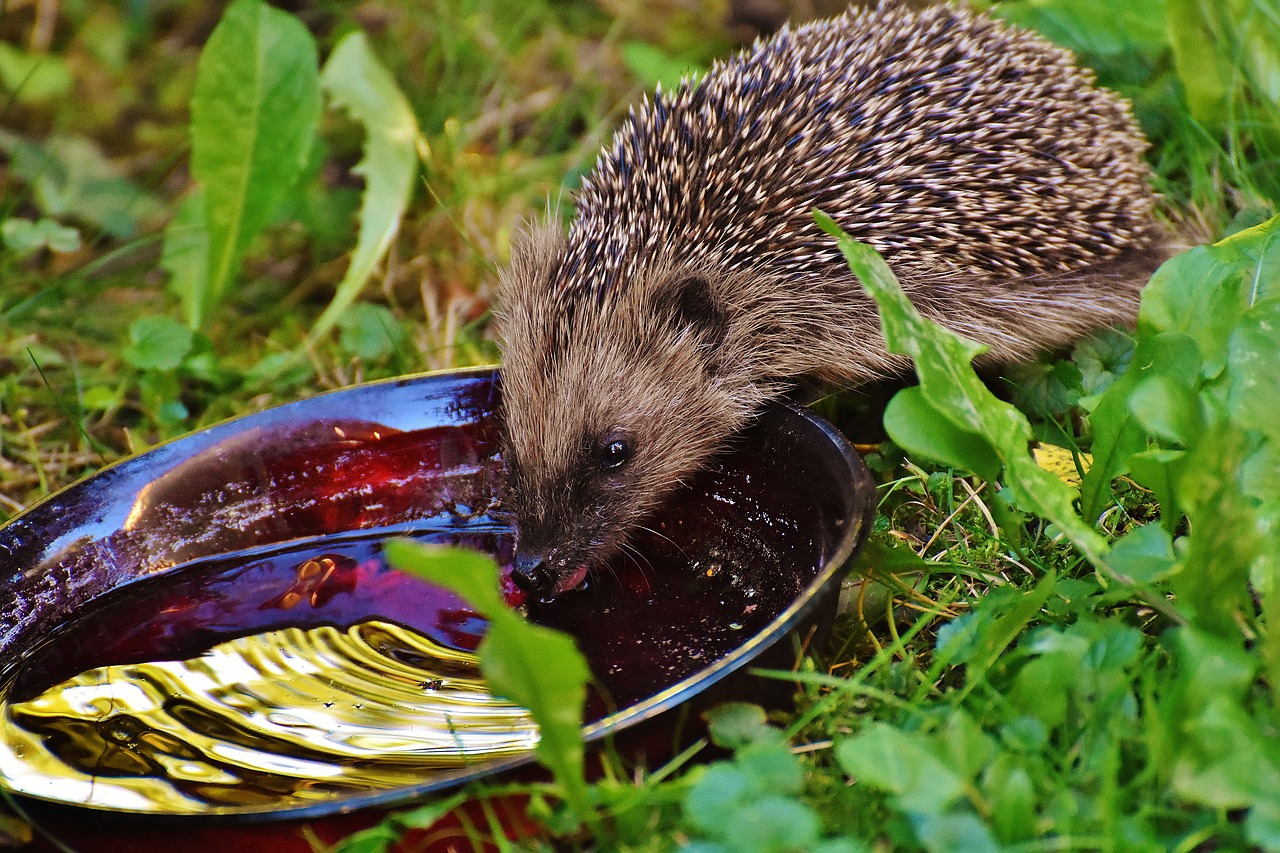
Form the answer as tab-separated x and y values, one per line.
717	793
1005	629
1225	540
1013	796
1102	357
253	119
1024	734
1202	67
1118	434
772	765
889	558
917	427
186	257
1198	295
1168	407
944	833
1225	762
370	331
951	388
1204	292
959	640
1043	688
1114	648
543	671
1255	250
772	824
1214	666
1074	595
1207	720
1157	469
1145	553
157	343
904	765
33	77
534	667
23	235
841	845
160	394
355	80
1262	824
969	748
1260	473
1048	389
470	574
98	398
737	724
1254	395
1266	579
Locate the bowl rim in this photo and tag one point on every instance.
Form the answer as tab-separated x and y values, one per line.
854	532
474	371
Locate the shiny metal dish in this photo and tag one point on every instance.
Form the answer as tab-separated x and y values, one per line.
113	572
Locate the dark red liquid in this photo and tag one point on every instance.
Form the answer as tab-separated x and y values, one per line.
697	585
642	625
183	614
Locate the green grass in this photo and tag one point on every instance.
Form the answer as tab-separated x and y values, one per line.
997	690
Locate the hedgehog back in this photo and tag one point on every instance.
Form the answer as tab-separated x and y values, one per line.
951	142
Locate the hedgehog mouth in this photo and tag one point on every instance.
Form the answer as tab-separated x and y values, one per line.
570	580
543	578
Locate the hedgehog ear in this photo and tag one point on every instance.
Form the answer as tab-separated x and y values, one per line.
694	307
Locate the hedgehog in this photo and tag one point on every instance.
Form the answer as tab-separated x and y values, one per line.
1006	190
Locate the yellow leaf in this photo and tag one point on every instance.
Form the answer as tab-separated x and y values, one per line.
1062	462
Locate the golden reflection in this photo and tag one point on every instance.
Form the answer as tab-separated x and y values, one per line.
276	719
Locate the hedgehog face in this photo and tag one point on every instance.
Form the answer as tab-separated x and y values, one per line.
603	419
573	501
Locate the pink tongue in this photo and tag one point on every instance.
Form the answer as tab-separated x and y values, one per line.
572	580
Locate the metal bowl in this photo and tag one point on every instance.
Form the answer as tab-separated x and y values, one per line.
770	526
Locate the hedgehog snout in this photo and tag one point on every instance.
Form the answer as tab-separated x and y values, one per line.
532	573
544	574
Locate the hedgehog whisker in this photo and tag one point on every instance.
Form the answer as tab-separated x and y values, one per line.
637	556
661	535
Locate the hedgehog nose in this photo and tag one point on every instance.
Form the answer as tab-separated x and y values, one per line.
533	574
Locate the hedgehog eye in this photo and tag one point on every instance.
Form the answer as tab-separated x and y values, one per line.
614	453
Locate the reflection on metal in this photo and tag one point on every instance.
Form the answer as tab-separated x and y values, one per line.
283	717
